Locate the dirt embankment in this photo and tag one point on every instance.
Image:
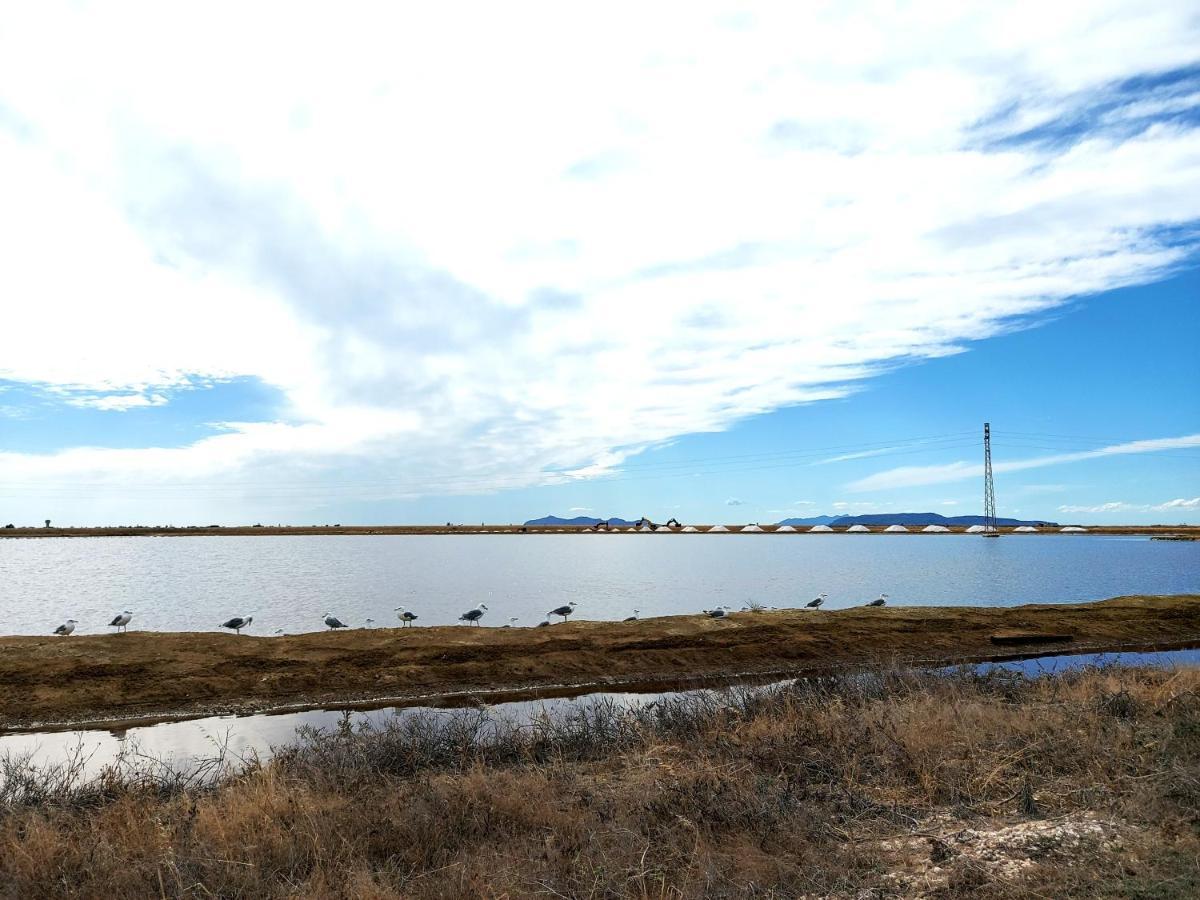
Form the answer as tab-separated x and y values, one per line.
144	674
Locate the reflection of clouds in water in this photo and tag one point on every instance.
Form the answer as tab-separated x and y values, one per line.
180	745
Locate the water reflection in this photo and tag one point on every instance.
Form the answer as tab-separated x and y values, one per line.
287	583
1049	665
180	744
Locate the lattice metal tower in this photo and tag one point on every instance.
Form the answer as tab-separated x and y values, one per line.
989	487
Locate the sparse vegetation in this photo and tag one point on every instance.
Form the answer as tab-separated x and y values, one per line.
967	785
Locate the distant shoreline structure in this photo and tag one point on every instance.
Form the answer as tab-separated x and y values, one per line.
1180	532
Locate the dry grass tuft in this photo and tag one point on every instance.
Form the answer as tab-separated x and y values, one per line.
962	785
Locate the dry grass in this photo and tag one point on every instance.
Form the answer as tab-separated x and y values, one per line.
1080	785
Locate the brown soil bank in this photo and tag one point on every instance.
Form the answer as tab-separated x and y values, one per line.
143	674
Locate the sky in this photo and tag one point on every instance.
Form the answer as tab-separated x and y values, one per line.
284	263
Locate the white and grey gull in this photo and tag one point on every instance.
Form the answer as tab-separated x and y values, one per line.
816	602
121	621
563	611
406	618
237	623
66	627
334	622
473	615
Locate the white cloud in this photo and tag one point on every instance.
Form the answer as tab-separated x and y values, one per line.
1115	506
917	476
1181	503
1122	506
116	402
469	251
862	454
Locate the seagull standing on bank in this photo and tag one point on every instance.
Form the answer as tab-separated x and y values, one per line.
66	627
121	622
512	620
718	613
563	611
881	600
632	618
334	622
816	602
473	615
406	617
237	623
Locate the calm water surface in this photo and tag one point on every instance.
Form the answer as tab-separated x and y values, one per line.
288	582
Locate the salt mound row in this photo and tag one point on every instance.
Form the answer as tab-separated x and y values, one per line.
976	529
690	529
751	528
938	529
784	528
1025	528
1073	528
819	528
858	528
717	528
896	528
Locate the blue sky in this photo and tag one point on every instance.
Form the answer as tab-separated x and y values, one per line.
722	266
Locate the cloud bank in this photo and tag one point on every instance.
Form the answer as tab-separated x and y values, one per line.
484	251
1182	504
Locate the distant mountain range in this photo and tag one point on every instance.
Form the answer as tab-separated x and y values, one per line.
578	521
811	520
922	518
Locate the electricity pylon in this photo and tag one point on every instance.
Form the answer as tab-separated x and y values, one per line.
989	487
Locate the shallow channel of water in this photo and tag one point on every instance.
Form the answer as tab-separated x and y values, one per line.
179	744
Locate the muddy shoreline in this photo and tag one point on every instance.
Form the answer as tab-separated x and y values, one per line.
141	676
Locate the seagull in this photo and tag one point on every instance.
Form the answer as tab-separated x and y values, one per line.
511	621
881	600
334	622
406	617
816	602
237	623
632	618
543	623
718	613
121	622
473	615
370	623
563	611
66	627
